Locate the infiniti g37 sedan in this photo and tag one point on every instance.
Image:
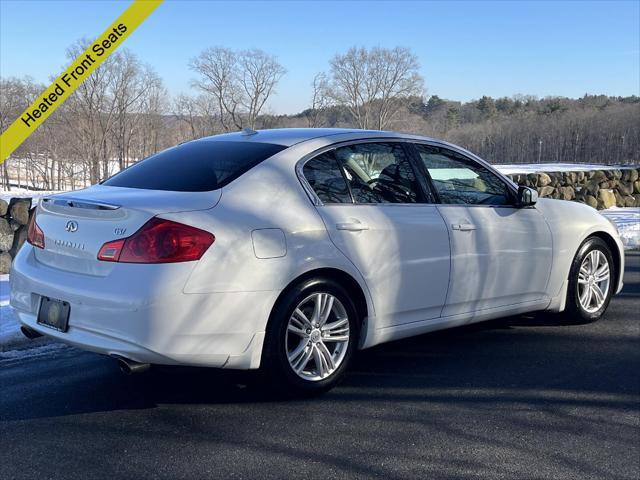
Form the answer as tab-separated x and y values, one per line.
288	250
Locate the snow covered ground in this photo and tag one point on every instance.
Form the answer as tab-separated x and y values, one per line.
9	329
555	167
23	192
13	344
628	222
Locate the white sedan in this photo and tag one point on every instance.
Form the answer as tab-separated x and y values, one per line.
288	250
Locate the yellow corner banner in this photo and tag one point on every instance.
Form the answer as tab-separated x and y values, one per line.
72	77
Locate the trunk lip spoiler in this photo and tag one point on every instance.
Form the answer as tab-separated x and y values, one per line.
79	203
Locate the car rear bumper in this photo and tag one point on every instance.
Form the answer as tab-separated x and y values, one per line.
140	312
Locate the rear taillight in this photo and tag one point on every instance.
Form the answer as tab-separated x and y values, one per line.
158	241
35	235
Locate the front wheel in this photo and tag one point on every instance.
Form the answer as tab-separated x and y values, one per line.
311	337
591	282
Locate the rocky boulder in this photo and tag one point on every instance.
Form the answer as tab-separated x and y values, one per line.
5	262
546	191
19	238
6	235
591	201
567	193
543	180
606	198
629	201
20	210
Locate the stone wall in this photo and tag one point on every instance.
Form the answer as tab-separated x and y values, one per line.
14	218
609	187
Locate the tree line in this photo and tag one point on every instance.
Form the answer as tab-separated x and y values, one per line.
123	113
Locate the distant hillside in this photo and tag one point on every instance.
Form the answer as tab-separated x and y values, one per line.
521	129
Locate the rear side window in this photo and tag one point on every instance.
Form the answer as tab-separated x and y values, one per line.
324	175
198	166
379	173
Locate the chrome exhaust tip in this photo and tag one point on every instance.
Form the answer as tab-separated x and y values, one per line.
129	367
30	333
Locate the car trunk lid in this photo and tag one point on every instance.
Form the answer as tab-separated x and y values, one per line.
77	224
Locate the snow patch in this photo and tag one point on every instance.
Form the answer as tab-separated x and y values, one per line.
13	343
7	195
30	352
627	221
556	167
10	333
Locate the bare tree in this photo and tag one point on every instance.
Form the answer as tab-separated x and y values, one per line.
375	84
239	83
151	135
218	71
348	75
16	94
259	74
131	81
92	110
187	111
399	81
319	100
196	117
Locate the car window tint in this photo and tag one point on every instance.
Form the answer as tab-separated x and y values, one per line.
324	176
379	173
459	180
197	166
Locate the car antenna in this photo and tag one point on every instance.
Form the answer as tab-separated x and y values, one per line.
248	132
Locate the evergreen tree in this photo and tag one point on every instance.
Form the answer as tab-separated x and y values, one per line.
487	106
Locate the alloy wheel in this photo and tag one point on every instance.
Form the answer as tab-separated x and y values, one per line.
593	281
317	336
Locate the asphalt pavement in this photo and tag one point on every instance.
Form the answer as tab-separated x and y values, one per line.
517	398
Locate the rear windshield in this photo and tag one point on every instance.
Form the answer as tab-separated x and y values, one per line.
195	166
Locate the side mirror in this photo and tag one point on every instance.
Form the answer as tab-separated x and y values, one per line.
527	196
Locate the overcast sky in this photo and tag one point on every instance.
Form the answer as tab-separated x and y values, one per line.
466	49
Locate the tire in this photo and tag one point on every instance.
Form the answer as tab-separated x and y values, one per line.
293	333
581	277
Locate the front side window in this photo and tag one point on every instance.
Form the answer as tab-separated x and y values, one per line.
379	173
459	180
324	176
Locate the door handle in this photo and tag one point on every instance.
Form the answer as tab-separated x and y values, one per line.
352	226
463	227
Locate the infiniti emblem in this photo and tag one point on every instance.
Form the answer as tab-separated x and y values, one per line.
71	226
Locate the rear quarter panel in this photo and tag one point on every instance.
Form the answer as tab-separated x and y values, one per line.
269	196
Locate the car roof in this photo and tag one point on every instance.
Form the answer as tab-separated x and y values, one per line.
291	136
288	137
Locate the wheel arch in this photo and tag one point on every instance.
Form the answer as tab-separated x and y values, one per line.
613	247
353	287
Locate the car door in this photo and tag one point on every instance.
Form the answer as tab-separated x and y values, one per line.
378	215
500	254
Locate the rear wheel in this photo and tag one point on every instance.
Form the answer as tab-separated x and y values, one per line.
311	337
591	282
